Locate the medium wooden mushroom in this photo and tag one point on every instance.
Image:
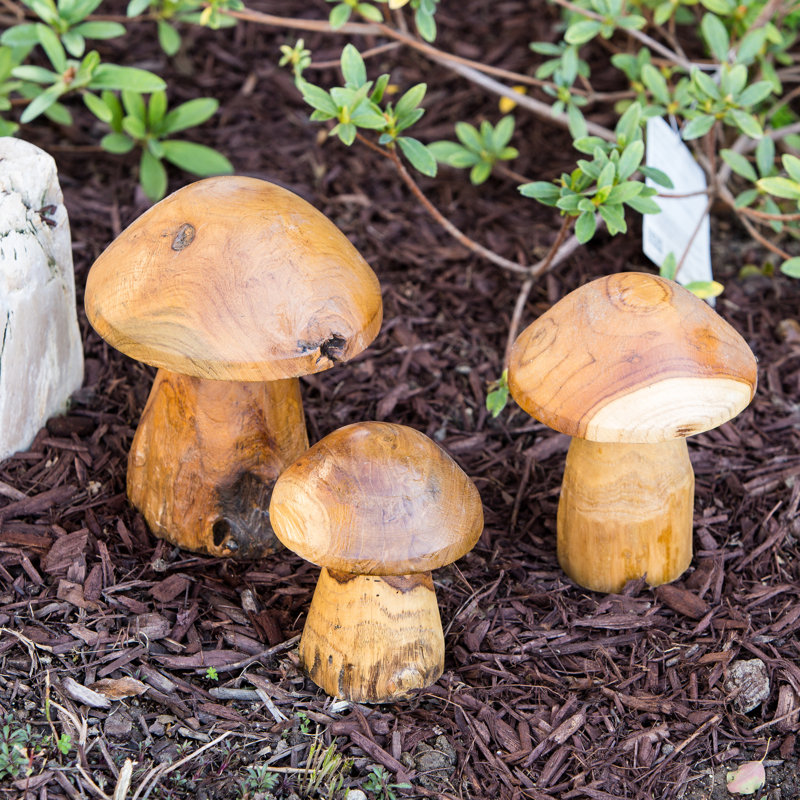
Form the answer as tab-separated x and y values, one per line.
377	506
232	287
629	365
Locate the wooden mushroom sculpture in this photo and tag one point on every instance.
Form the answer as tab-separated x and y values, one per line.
629	365
377	506
232	287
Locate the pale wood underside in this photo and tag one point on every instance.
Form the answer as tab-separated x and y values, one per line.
205	457
234	278
377	498
625	512
373	639
625	357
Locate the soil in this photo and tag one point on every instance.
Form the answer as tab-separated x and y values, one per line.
549	690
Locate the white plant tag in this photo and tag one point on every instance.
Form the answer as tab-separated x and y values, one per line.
681	218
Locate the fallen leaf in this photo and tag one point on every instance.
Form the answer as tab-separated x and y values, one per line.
119	688
748	778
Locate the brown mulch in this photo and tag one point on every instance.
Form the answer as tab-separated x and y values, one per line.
549	691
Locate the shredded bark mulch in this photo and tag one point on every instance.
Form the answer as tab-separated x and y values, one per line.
109	635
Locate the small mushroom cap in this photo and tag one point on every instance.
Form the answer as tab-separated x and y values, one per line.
234	278
631	358
376	498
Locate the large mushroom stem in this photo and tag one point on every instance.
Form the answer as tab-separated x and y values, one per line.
625	512
373	638
205	456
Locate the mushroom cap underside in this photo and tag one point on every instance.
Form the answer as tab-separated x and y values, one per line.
234	278
376	498
631	357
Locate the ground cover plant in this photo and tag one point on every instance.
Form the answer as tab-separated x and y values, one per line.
549	691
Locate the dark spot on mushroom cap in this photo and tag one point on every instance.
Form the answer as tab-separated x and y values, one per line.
334	347
184	237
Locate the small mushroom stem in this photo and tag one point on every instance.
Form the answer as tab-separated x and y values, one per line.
373	638
206	455
625	512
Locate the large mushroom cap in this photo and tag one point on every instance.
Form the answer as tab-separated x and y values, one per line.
234	278
376	498
631	358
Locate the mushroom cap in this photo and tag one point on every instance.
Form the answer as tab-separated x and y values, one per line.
234	278
631	357
375	498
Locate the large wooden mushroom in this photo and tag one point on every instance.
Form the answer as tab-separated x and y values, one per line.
232	287
629	365
377	506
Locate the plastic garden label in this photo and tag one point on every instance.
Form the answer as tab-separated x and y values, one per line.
682	222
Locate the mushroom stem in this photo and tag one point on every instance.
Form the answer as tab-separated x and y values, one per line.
373	638
625	512
206	455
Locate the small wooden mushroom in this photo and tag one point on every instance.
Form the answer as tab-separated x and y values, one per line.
232	287
377	506
629	365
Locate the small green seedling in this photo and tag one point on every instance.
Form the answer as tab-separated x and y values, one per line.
379	783
212	674
136	123
479	149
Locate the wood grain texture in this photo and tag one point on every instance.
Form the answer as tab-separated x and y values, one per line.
373	639
234	278
205	457
376	498
631	357
625	512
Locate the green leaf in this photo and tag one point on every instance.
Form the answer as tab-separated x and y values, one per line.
765	156
697	127
419	155
543	191
380	88
792	166
20	36
100	30
503	131
582	32
791	267
367	117
747	123
196	158
780	187
346	132
52	47
663	12
576	122
606	176
29	72
705	289
156	109
739	164
623	192
705	84
407	119
480	172
73	43
716	36
746	198
317	97
353	69
117	143
98	107
656	83
627	126
41	103
630	159
188	114
112	76
339	15
669	266
369	12
59	114
469	135
136	7
134	127
657	176
754	94
723	7
750	46
614	217
644	205
134	106
168	38
426	25
497	398
585	226
410	99
152	176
